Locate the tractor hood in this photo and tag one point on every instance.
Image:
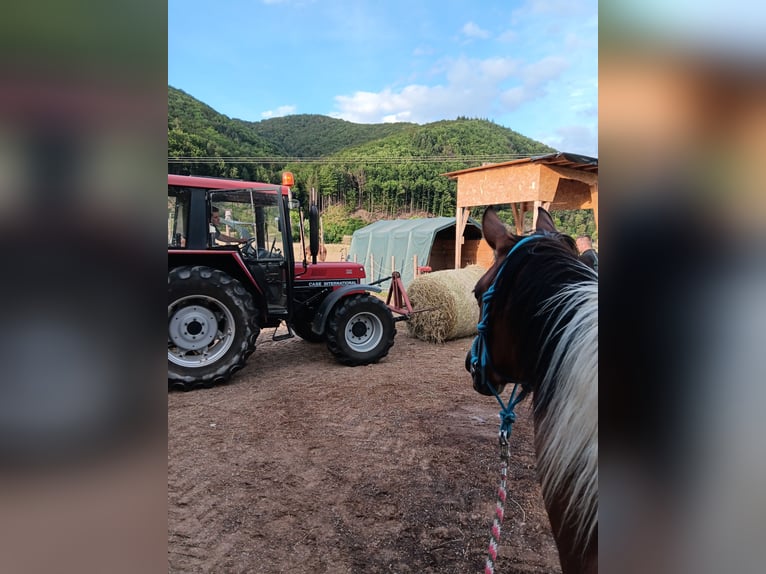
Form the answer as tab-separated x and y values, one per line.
330	274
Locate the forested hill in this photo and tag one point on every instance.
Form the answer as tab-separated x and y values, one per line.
197	130
311	135
401	173
361	171
451	140
212	143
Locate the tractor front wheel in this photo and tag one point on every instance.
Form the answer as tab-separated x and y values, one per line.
360	331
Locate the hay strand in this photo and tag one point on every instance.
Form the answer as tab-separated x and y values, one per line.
456	312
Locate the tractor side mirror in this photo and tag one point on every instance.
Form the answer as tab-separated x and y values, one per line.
314	232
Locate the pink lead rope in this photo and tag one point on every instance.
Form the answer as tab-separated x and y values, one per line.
494	541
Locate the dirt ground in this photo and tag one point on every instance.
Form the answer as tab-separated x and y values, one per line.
303	465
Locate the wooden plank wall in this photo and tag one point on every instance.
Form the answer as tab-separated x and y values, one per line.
474	252
505	184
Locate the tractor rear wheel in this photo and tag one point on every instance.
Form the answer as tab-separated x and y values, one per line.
360	331
212	327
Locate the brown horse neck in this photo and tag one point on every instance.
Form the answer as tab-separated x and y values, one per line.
574	559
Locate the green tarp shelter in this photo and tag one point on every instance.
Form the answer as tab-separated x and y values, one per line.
401	239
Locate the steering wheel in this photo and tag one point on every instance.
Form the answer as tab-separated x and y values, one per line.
249	248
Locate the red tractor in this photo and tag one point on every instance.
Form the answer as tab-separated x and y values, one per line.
232	272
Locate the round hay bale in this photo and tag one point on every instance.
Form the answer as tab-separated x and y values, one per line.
450	293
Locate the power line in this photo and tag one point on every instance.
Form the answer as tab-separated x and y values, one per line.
493	158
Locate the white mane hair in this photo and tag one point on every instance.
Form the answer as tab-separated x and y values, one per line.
567	433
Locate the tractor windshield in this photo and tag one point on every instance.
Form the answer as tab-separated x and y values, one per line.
250	215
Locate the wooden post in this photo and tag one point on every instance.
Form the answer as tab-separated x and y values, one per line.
461	218
525	207
518	217
594	201
415	265
393	268
458	211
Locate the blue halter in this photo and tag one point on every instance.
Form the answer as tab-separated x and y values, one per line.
480	358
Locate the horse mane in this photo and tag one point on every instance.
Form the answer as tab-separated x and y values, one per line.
568	428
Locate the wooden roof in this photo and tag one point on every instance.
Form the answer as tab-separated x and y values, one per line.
558	180
569	160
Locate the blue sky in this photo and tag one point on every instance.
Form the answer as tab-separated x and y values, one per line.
529	65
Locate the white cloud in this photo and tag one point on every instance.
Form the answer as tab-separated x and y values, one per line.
498	68
574	139
469	89
534	79
472	30
394	118
508	36
544	70
474	88
279	112
514	97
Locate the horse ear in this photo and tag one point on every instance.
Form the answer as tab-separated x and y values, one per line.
545	221
494	230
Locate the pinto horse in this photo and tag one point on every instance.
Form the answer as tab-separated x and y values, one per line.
539	330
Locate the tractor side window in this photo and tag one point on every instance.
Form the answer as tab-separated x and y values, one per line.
253	216
178	216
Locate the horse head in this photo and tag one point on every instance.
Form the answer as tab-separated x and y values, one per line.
497	357
539	329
